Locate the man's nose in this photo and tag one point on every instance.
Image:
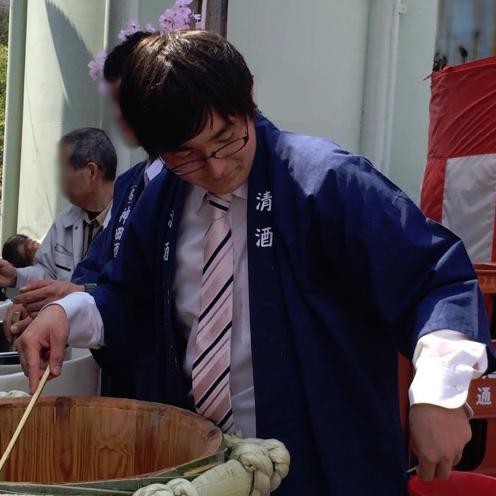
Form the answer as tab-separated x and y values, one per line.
216	167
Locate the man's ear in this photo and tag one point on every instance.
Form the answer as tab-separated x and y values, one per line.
93	169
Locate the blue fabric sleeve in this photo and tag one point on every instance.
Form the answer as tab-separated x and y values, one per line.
413	272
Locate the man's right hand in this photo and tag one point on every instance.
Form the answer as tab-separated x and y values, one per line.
8	274
42	343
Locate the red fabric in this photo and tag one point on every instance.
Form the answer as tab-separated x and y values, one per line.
463	110
431	200
462	123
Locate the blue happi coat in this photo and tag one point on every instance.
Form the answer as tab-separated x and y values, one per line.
127	189
344	272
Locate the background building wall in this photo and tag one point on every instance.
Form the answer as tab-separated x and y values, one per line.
351	71
58	96
318	71
408	150
308	62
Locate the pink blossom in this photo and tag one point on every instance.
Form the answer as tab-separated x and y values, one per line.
184	11
94	70
180	16
96	66
132	27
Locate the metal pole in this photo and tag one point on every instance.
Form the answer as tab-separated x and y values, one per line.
216	16
380	75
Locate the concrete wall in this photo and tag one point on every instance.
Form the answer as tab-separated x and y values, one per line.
310	67
308	59
408	151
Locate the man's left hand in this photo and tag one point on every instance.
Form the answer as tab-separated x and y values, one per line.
438	436
35	295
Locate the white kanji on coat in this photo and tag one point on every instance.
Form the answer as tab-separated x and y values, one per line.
171	219
132	193
125	214
166	251
118	233
264	201
264	237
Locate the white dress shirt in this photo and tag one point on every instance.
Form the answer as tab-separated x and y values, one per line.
152	170
446	361
187	290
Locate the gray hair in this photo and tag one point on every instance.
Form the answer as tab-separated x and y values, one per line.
92	145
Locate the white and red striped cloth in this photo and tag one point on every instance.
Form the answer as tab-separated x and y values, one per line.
459	187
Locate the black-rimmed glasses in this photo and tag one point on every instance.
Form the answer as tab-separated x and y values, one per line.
223	152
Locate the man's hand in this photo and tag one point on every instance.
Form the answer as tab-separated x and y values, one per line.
35	295
438	436
8	274
12	330
43	342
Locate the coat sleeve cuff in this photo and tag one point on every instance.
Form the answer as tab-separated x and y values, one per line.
436	385
446	361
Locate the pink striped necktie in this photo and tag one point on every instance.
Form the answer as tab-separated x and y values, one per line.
211	368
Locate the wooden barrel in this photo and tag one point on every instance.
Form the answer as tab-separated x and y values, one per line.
80	439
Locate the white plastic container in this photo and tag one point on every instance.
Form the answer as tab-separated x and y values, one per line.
80	377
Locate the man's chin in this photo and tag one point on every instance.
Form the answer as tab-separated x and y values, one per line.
224	189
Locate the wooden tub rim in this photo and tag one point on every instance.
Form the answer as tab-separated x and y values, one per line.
214	434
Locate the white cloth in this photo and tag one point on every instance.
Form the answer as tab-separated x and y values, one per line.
61	249
449	355
446	362
152	170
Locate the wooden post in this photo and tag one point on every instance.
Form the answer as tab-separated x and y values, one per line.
196	6
216	17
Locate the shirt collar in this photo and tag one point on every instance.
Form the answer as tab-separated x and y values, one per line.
198	195
99	219
153	169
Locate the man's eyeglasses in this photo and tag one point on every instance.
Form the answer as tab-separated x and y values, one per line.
225	151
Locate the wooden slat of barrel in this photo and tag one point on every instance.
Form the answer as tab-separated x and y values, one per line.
84	439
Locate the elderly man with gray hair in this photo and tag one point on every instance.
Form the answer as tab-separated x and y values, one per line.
88	164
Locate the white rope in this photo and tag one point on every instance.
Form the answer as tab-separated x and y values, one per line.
268	460
228	479
13	394
176	487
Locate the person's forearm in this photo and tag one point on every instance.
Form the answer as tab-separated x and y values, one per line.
35	272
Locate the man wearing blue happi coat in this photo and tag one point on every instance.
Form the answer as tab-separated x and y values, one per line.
127	190
268	282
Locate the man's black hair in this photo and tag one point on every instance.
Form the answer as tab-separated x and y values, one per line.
117	58
91	144
173	83
11	252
